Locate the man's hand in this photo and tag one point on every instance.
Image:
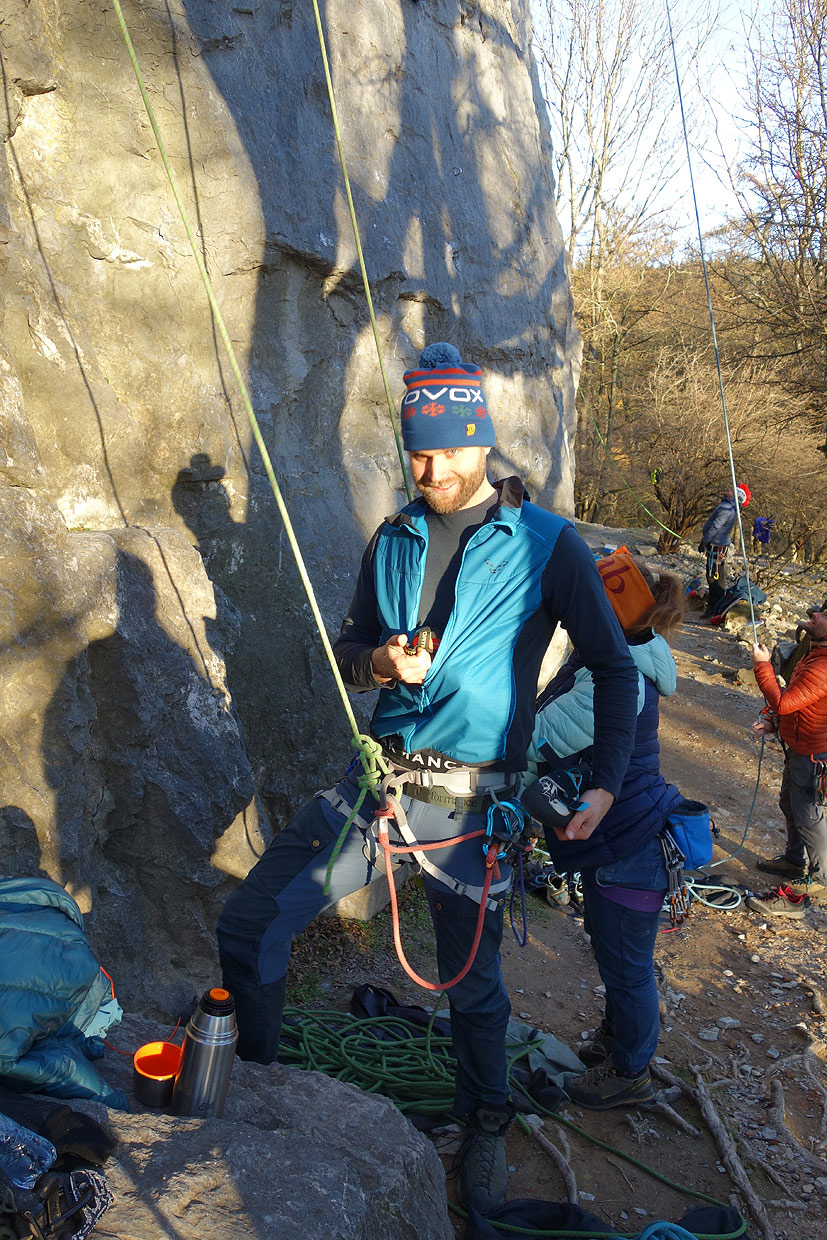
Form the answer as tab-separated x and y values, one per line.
390	662
585	820
759	654
763	726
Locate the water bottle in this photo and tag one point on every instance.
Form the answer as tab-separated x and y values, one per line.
24	1155
206	1057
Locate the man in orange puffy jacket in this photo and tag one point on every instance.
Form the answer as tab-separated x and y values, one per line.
799	715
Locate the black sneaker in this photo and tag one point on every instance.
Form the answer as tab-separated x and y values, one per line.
484	1174
597	1050
780	865
602	1087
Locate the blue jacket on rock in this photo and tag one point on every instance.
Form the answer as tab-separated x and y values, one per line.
565	723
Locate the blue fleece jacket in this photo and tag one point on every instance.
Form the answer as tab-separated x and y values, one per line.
522	572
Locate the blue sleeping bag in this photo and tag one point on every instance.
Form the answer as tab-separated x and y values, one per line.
56	1005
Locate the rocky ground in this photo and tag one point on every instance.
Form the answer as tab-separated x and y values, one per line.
744	1017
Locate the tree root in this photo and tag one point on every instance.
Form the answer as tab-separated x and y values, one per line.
730	1158
777	1117
560	1159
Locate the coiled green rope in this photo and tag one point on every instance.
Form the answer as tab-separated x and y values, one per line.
416	1071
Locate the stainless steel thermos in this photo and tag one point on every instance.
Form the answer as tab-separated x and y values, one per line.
206	1057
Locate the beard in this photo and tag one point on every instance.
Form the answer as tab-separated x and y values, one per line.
457	497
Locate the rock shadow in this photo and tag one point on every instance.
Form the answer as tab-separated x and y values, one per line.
145	759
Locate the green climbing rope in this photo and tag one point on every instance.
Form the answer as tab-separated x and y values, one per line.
373	767
416	1071
362	742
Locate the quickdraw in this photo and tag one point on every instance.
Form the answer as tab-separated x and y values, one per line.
714	558
820	780
677	899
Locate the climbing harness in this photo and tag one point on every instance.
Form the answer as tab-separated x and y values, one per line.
504	836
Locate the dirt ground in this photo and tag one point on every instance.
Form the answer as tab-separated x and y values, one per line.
740	995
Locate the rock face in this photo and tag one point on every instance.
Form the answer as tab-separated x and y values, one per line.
374	1177
162	691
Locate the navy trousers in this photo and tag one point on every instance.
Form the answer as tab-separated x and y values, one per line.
284	892
623	941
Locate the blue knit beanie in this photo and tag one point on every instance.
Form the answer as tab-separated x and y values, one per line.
444	406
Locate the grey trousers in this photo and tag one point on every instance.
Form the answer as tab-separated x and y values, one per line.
806	819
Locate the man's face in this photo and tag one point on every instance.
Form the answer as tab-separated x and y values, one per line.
816	626
452	478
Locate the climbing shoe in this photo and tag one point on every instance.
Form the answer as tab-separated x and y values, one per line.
806	885
598	1049
780	902
554	799
603	1087
484	1174
780	865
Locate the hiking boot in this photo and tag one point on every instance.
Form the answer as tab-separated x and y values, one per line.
597	1050
780	902
484	1175
603	1087
780	865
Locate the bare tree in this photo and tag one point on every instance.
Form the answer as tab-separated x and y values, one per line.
777	257
609	81
609	84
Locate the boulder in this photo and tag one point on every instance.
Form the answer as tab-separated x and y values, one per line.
296	1155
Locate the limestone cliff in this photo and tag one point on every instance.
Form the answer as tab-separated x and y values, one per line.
160	666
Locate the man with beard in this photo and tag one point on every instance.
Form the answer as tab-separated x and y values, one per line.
799	715
457	598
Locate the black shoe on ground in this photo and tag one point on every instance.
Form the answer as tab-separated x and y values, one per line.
484	1174
780	865
598	1049
602	1087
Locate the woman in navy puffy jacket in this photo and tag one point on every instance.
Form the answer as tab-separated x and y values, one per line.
621	864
